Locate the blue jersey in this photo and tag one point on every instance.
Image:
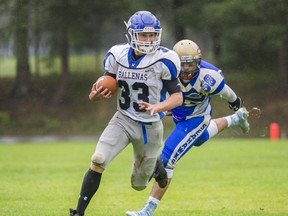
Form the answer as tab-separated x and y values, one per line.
193	117
208	81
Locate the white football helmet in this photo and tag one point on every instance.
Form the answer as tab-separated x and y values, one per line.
143	21
188	52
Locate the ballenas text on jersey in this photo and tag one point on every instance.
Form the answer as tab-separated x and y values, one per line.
141	79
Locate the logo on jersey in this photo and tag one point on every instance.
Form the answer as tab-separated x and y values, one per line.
149	70
132	75
193	99
187	144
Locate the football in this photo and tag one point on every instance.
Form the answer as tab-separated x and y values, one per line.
107	82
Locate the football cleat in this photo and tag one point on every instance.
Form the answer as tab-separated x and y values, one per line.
243	123
148	210
74	213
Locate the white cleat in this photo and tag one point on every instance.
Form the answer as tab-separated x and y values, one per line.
243	123
139	213
131	213
148	210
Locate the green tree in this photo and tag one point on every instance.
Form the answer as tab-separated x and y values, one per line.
62	25
17	25
253	32
169	12
73	24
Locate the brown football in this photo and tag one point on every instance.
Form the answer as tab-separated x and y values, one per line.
107	82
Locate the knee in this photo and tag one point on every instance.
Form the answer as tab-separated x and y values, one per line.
139	182
97	161
141	173
97	158
138	188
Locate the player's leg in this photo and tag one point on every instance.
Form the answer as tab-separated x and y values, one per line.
160	174
238	119
111	142
178	143
183	134
153	200
147	140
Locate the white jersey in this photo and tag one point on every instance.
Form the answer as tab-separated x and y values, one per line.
141	79
197	94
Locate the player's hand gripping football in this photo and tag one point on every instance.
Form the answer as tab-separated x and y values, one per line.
99	93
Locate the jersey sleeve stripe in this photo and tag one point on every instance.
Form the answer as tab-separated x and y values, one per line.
171	66
106	57
219	88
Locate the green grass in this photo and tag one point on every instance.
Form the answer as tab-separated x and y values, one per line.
223	177
77	64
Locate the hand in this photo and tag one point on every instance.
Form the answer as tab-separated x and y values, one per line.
99	93
152	108
237	104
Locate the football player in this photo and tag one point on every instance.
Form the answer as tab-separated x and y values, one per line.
143	69
199	81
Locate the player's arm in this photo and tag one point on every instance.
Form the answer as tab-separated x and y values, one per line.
234	101
175	99
110	64
97	94
109	74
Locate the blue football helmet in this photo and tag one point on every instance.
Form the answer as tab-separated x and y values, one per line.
143	22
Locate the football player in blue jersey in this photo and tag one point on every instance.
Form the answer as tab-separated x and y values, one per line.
143	69
199	81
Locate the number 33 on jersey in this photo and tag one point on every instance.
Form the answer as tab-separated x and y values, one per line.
141	79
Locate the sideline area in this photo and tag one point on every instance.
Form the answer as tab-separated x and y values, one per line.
37	139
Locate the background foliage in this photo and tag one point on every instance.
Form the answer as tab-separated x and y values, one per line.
52	51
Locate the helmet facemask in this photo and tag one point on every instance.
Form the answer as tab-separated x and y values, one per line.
189	69
190	57
143	46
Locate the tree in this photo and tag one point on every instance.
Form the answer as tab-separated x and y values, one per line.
59	24
20	28
256	32
179	29
73	24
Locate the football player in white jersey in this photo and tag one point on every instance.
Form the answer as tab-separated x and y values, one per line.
199	81
145	72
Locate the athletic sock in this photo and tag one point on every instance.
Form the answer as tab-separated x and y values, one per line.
150	206
228	118
89	187
156	201
232	120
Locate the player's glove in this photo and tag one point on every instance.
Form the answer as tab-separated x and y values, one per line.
237	104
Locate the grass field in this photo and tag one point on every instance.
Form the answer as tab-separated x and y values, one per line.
78	64
223	177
